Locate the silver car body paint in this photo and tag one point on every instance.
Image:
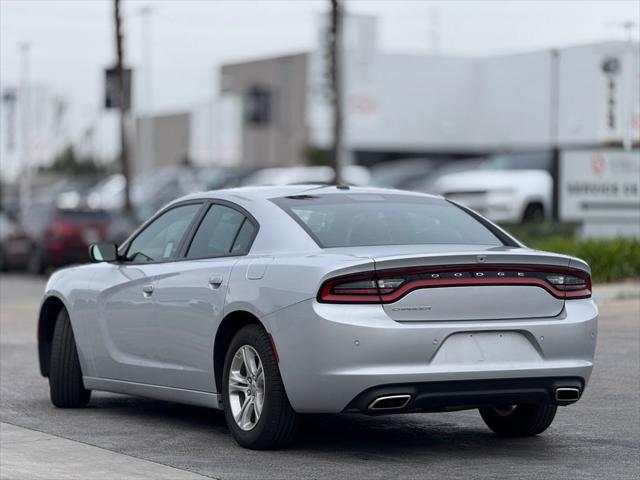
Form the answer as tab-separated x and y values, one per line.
161	345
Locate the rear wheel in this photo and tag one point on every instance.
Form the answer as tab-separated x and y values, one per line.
256	406
519	420
65	376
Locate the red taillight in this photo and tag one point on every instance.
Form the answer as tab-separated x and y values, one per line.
391	285
574	284
359	288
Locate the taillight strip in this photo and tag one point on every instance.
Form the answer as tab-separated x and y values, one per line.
473	282
328	294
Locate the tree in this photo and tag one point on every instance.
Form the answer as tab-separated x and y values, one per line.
67	162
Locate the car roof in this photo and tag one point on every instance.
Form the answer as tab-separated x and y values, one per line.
257	193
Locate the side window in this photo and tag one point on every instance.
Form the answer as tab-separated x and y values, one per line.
160	240
223	231
244	238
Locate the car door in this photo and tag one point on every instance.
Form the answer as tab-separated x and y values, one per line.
191	299
127	347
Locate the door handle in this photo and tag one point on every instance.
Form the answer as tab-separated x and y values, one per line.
147	290
215	281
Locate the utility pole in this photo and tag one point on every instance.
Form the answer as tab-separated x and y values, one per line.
146	121
25	132
124	154
335	58
554	132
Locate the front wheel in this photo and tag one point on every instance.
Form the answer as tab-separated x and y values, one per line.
256	406
65	375
519	420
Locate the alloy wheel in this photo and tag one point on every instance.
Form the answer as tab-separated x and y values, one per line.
246	387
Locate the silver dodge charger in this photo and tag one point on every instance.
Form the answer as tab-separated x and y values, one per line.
273	302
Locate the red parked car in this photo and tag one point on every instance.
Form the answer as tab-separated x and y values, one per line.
62	236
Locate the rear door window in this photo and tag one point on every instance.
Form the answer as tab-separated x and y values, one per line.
223	231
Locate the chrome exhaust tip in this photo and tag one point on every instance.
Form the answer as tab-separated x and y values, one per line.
390	402
567	394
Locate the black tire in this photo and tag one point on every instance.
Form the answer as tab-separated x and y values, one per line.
65	375
278	422
533	213
519	420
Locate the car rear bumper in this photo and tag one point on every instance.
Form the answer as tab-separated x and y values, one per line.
464	394
331	355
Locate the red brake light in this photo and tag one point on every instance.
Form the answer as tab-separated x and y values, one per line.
359	288
391	285
574	284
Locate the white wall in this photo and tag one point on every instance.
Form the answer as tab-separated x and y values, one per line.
513	101
439	103
170	144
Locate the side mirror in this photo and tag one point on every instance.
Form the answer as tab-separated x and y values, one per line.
103	252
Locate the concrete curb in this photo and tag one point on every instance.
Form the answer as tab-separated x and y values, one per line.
29	454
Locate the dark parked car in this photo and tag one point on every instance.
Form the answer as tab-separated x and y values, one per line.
15	244
62	236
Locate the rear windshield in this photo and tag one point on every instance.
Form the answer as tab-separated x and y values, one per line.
354	220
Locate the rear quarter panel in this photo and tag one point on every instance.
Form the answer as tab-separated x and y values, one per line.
264	284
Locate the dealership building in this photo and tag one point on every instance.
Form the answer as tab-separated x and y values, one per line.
401	105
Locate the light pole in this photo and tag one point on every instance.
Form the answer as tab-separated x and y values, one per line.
120	72
146	121
25	132
554	132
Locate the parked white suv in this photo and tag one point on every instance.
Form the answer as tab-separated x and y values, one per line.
504	188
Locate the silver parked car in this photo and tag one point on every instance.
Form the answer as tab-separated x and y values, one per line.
270	302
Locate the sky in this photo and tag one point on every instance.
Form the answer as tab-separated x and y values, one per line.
71	41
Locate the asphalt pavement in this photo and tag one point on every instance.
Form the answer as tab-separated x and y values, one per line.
125	437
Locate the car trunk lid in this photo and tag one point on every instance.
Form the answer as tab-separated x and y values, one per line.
473	285
460	283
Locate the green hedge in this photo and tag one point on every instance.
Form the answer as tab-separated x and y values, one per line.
610	259
529	233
